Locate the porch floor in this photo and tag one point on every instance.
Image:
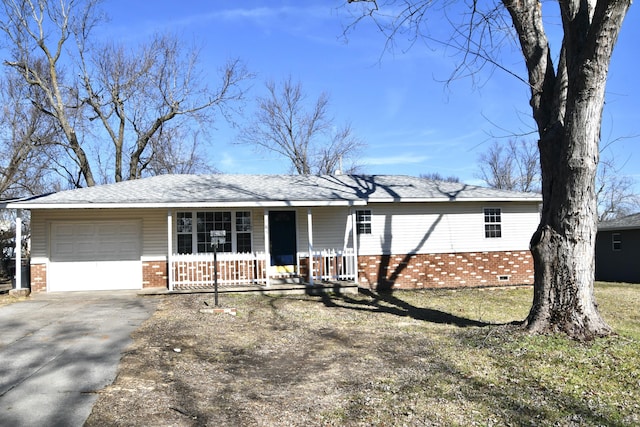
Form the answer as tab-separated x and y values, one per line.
337	287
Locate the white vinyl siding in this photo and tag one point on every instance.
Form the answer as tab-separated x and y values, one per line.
445	227
398	228
331	228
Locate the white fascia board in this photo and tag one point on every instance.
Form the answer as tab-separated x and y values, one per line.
188	205
470	199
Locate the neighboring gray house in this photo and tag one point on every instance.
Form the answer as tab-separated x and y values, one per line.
618	250
379	231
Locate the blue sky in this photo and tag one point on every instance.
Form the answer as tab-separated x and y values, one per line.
396	103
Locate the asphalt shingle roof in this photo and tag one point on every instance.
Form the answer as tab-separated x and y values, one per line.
168	190
626	222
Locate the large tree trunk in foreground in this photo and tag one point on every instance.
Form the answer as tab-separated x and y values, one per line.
564	244
567	105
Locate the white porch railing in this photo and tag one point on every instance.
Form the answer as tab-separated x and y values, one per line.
330	264
196	271
193	271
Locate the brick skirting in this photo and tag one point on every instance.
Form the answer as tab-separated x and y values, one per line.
469	269
413	271
154	274
38	278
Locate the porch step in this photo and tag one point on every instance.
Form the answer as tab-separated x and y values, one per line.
296	280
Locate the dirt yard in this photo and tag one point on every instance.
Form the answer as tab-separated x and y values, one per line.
419	358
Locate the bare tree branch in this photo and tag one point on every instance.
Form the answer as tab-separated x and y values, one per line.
285	124
130	96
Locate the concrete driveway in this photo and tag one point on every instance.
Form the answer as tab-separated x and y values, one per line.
58	350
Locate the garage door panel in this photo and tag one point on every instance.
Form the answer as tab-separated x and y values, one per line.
95	255
94	276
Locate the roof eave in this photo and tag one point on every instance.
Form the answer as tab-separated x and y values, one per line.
620	228
188	205
457	199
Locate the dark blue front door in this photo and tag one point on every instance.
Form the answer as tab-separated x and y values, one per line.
282	237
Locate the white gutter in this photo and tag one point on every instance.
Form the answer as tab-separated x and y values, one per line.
465	199
185	205
265	204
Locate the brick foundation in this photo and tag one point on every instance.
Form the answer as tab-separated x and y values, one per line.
38	278
414	271
154	274
470	269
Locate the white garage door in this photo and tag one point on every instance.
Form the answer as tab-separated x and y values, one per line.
100	255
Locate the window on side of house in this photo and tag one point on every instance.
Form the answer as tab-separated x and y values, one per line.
492	223
616	242
363	221
196	238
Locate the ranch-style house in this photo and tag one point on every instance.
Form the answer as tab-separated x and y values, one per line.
378	231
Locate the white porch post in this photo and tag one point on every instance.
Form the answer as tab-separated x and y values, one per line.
310	233
354	232
19	249
170	248
267	253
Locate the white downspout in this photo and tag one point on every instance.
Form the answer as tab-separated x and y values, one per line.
18	249
310	234
170	248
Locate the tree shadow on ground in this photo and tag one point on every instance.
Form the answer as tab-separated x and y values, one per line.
386	302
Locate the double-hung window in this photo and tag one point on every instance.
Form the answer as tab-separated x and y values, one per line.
616	242
363	221
492	223
184	228
193	230
243	231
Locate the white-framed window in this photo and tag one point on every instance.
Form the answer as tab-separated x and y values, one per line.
243	231
184	230
363	221
616	242
492	223
193	231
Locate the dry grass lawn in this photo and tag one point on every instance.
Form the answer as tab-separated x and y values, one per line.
426	358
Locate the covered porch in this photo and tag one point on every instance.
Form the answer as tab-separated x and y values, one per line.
263	269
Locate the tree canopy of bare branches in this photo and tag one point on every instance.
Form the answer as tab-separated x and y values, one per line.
132	98
24	166
514	166
301	132
615	191
567	91
436	176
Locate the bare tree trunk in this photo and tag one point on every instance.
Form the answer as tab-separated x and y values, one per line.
564	244
566	103
569	120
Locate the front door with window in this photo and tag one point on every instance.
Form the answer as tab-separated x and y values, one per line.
282	238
